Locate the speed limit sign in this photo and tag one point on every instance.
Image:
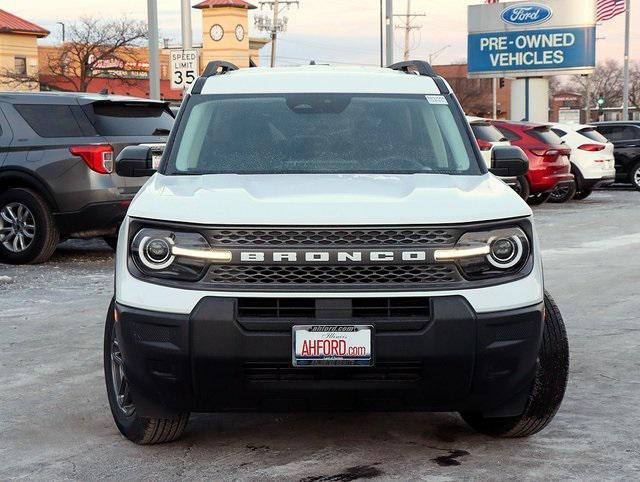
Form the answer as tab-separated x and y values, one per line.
184	68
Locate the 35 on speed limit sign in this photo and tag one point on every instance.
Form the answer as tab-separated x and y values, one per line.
184	68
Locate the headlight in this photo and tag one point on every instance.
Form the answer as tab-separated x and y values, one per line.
163	253
484	254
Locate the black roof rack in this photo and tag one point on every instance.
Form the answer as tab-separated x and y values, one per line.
420	67
215	67
218	67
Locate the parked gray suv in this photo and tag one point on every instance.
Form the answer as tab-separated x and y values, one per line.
56	166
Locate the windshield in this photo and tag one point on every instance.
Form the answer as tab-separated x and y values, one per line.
320	133
593	134
486	132
546	135
131	119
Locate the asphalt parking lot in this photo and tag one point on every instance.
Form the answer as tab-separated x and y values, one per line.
55	421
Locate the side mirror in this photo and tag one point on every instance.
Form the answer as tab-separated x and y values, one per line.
508	161
135	161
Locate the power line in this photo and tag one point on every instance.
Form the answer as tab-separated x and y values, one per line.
275	24
408	27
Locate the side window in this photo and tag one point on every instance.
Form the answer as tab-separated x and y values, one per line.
510	135
630	133
612	133
52	120
559	132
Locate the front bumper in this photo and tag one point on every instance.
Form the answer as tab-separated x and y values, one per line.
454	359
96	219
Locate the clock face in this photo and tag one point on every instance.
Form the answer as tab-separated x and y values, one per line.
239	32
216	32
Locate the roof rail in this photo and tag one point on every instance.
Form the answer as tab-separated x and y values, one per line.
419	67
218	67
215	67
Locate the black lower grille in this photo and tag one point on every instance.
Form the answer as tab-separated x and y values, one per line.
337	308
382	371
381	275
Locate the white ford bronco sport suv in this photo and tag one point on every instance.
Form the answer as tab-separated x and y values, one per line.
329	238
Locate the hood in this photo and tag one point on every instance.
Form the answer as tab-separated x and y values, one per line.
327	199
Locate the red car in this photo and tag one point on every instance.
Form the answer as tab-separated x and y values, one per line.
549	167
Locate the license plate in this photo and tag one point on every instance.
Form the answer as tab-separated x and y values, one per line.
332	345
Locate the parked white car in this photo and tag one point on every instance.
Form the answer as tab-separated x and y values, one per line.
592	161
321	237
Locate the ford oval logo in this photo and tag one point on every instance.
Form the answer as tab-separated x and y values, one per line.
526	14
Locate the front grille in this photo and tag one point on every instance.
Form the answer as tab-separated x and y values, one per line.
332	237
318	275
382	371
333	308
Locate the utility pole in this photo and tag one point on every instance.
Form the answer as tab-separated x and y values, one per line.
154	50
276	23
381	35
494	89
625	85
185	20
389	31
408	27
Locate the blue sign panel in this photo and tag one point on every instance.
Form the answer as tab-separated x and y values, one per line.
544	49
526	14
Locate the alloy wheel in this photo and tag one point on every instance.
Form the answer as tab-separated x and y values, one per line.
17	227
636	177
121	387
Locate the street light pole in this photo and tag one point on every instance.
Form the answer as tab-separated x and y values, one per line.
154	53
63	33
389	31
274	32
185	20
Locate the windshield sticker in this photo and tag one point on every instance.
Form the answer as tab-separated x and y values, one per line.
436	99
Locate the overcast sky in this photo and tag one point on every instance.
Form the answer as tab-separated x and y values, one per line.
338	31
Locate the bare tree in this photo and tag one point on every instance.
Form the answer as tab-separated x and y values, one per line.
475	95
634	84
606	80
96	48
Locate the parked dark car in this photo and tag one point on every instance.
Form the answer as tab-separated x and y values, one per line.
57	152
625	137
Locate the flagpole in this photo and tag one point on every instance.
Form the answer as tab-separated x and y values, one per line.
625	92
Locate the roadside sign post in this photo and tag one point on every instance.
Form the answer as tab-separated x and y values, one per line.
184	68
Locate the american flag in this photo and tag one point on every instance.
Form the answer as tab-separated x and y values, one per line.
607	9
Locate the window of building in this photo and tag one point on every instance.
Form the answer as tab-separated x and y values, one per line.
21	65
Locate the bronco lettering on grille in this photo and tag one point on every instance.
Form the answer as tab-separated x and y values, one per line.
331	256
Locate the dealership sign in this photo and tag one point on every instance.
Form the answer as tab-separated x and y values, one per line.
523	39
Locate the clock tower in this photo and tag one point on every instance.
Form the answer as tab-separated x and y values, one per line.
225	31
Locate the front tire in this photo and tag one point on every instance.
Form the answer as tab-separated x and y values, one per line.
563	193
584	194
634	176
140	430
548	388
538	199
28	232
523	189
